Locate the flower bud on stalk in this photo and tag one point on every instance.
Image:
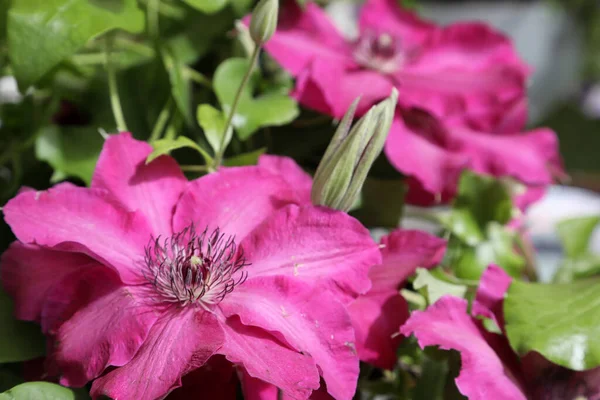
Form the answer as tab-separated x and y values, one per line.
350	155
264	21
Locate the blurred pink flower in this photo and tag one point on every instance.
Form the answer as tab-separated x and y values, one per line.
490	369
466	71
433	153
142	278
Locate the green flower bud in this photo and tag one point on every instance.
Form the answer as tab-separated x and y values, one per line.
264	21
350	155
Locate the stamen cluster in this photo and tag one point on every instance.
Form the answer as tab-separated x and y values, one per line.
188	268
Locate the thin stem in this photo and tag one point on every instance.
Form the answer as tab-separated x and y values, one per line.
115	102
195	168
161	121
238	95
279	394
152	13
197	77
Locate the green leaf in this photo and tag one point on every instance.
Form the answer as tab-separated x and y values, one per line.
432	381
213	122
207	6
479	201
71	151
271	108
250	158
559	321
165	146
42	391
579	262
180	85
19	341
575	234
42	33
436	288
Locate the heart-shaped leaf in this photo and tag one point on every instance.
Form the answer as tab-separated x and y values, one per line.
212	122
271	108
559	321
43	391
42	33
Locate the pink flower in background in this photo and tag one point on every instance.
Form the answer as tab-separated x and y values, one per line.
433	153
466	71
154	275
377	315
490	369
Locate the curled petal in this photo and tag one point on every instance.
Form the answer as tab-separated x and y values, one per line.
266	358
484	374
493	285
310	320
29	272
290	171
179	342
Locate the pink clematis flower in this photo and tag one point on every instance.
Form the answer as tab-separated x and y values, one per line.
144	277
466	71
433	153
490	369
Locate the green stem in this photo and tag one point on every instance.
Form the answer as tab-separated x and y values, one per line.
115	102
236	100
195	168
197	77
161	121
152	13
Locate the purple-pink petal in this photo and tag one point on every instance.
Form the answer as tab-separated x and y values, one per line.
291	172
81	220
108	331
235	200
320	246
483	373
29	272
306	35
266	358
179	342
152	189
310	320
493	285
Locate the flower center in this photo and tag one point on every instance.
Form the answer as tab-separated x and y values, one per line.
188	268
380	52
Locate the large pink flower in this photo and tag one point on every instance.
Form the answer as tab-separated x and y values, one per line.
145	276
490	369
465	71
433	153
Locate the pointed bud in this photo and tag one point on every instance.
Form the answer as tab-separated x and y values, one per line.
264	21
350	155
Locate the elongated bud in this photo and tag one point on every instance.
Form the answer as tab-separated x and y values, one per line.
264	21
350	155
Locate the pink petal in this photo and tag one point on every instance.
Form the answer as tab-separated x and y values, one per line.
320	246
215	380
466	70
266	358
404	251
255	389
180	341
82	220
493	285
529	197
534	164
310	320
446	324
421	153
376	318
291	172
152	189
386	16
305	36
28	272
107	331
330	88
234	199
